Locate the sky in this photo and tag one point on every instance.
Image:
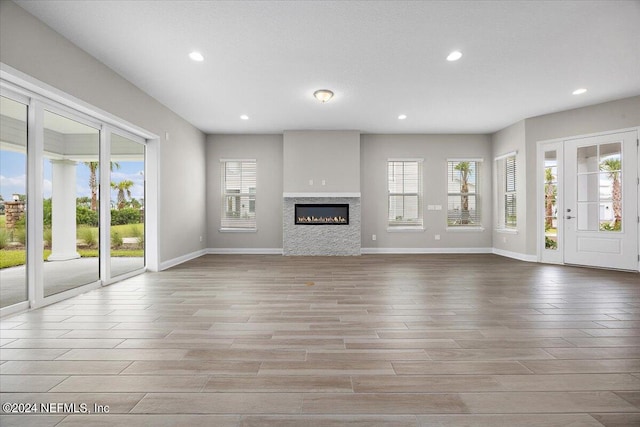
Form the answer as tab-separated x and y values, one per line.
13	177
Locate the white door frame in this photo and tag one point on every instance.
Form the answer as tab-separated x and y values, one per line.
541	147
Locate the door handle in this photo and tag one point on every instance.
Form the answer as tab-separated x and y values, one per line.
569	217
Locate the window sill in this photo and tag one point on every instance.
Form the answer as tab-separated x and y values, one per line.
238	230
465	229
507	230
416	229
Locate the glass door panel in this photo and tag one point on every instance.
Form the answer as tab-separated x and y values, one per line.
610	184
13	202
127	205
71	203
551	200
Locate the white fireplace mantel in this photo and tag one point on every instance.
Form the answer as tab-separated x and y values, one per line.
299	195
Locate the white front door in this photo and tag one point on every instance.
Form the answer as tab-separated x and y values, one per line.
600	207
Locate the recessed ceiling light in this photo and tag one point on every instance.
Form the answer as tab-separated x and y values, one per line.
402	116
454	56
196	56
244	117
579	91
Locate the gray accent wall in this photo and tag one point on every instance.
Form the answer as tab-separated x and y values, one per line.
435	150
267	150
332	156
31	47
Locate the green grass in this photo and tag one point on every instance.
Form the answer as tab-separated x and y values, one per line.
125	230
12	258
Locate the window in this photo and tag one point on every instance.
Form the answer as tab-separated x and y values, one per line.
238	195
405	193
507	199
463	207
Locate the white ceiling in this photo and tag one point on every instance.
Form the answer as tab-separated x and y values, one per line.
382	59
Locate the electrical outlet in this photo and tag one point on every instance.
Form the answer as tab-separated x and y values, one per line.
310	182
437	236
201	238
324	182
374	237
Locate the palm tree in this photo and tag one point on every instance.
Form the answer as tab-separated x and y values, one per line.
123	187
613	167
93	180
464	168
549	197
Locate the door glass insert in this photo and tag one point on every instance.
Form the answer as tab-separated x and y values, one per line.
551	200
127	205
610	183
71	203
13	202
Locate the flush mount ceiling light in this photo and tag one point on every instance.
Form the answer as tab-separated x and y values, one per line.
196	56
323	95
244	117
579	91
454	56
402	116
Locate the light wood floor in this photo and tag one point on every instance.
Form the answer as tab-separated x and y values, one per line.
417	340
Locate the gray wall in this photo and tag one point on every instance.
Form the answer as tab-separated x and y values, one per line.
435	149
31	47
614	115
267	150
333	156
505	141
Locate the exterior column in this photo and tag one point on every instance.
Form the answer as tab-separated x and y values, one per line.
63	211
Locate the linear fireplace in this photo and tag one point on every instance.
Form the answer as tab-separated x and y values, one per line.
322	214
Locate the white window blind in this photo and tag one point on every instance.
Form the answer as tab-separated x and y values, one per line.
238	194
510	219
463	207
405	192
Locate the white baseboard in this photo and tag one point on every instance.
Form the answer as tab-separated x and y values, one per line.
426	250
365	251
515	255
184	258
244	251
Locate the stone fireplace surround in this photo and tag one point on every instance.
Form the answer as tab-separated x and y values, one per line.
329	239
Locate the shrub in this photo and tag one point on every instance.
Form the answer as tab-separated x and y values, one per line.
46	209
4	238
89	236
116	239
125	216
47	237
85	216
137	231
20	235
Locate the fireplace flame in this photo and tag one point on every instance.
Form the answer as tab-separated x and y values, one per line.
322	220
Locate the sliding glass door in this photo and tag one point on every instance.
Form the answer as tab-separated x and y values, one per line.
127	205
13	202
72	202
71	161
